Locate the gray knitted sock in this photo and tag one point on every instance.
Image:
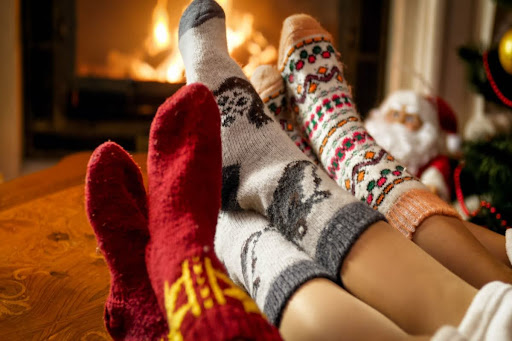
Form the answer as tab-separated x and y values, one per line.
263	170
259	259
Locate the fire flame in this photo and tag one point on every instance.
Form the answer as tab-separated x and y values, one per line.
161	35
161	60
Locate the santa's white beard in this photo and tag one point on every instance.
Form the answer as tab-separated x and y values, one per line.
413	149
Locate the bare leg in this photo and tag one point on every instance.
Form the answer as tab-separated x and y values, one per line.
449	241
403	282
492	241
321	310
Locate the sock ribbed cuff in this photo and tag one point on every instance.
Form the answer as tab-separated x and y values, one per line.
287	283
342	232
413	207
259	258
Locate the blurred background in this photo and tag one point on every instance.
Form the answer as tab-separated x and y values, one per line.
74	73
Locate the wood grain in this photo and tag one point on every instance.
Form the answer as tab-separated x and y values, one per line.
53	282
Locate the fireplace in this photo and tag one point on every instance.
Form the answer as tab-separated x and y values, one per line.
96	70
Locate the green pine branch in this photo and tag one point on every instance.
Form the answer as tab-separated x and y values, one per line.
488	171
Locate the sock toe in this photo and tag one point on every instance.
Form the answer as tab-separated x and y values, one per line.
181	115
197	13
267	80
296	28
184	158
113	177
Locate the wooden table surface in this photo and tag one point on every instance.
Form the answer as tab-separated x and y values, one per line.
53	282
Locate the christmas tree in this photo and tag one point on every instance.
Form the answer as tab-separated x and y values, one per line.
487	173
486	168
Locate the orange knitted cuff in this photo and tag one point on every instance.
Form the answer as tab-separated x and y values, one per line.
413	207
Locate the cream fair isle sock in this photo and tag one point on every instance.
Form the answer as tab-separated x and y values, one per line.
319	94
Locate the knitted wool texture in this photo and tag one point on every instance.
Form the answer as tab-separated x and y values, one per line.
115	201
328	118
260	259
184	171
270	87
489	317
262	169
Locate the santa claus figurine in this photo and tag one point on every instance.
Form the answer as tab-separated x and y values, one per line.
418	131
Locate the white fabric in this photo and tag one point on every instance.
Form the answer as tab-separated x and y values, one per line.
414	104
453	143
489	317
433	177
257	255
448	333
413	148
508	244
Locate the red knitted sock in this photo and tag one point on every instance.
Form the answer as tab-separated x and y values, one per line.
115	201
184	167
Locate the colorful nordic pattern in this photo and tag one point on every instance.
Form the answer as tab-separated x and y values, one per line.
347	145
337	101
278	105
329	121
333	130
200	287
377	187
303	43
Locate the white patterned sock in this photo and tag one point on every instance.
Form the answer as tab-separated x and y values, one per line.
263	170
262	261
320	95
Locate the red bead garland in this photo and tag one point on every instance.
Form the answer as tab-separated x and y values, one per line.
483	203
494	86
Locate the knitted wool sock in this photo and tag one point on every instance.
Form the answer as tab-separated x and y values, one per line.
260	259
321	98
115	201
263	170
269	85
184	171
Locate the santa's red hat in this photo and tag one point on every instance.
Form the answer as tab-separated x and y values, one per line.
447	122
